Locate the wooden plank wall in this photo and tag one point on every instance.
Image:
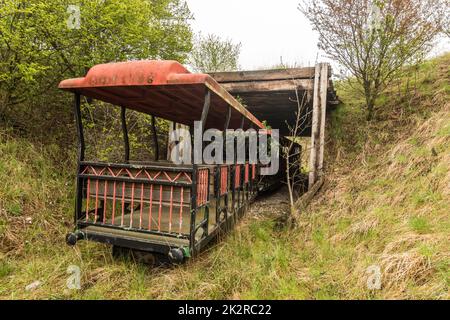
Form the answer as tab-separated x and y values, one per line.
267	94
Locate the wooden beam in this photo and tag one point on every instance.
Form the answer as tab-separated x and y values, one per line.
264	75
155	139
79	123
314	129
306	198
323	112
268	86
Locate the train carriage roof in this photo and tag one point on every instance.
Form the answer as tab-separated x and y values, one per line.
164	89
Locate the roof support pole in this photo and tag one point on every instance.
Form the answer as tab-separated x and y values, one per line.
81	154
206	106
125	134
79	124
197	151
203	119
170	146
227	119
238	140
155	139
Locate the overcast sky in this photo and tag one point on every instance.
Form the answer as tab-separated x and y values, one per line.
267	30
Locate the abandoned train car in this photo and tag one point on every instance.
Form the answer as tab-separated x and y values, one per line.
158	206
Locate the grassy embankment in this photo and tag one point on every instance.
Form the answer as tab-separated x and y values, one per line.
386	202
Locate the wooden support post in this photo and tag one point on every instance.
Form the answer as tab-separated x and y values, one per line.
126	141
315	129
323	113
155	139
206	106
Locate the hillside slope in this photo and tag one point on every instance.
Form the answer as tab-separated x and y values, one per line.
385	204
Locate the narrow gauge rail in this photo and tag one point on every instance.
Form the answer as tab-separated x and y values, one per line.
160	207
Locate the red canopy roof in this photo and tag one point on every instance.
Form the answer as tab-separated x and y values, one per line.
162	88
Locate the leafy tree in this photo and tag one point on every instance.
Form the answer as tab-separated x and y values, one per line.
45	41
374	39
214	54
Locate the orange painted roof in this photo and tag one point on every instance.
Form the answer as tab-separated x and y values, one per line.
162	88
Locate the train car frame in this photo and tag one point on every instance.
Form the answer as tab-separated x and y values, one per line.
160	207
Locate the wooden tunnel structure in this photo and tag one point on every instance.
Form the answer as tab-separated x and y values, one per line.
276	96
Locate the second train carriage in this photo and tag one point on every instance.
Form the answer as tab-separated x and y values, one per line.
160	207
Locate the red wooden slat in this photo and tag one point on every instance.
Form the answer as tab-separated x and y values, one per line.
160	208
104	201
151	208
170	209
181	209
96	201
237	176
88	191
116	82
141	205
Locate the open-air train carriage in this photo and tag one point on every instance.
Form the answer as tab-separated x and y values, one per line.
160	207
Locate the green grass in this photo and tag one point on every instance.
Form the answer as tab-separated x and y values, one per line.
5	269
420	225
385	203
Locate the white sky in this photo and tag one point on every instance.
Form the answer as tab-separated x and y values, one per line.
267	30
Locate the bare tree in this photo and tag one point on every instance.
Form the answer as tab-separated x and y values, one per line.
214	54
292	151
374	39
445	13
